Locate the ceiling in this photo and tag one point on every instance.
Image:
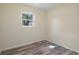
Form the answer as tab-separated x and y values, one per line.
43	6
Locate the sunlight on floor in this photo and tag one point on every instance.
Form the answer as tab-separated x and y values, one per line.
51	46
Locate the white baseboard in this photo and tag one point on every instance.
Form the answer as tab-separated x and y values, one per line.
18	45
64	46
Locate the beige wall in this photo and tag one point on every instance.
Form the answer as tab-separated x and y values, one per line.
0	28
12	34
63	25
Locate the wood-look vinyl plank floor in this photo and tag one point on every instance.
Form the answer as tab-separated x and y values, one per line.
40	48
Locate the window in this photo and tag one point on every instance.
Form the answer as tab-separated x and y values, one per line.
28	19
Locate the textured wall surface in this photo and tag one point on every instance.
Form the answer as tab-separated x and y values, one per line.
63	25
12	33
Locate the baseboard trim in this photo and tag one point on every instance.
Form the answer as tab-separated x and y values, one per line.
18	46
63	46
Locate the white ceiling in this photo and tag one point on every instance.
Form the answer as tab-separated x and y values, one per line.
43	6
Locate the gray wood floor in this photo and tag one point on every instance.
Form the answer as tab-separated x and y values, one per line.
40	48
